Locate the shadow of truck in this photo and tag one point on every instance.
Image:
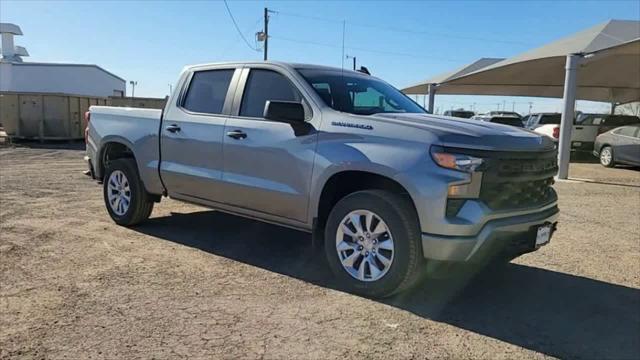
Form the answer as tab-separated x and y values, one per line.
557	314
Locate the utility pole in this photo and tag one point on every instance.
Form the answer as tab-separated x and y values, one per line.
266	33
170	89
133	88
530	106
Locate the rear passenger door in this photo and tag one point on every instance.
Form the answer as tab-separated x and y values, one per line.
268	168
192	134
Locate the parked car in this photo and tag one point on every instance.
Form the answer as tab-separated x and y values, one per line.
504	113
585	129
500	119
343	155
465	114
588	126
619	146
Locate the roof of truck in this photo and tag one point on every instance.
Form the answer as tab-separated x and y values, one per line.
280	63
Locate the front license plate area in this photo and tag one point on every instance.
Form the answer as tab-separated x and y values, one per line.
543	234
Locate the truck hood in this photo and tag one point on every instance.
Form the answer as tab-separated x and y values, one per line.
470	134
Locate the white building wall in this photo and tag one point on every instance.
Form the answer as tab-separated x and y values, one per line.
88	80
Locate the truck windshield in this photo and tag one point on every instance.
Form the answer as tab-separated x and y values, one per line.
358	94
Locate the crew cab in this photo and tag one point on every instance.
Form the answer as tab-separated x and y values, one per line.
383	186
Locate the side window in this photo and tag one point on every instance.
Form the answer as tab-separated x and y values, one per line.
626	131
597	121
263	85
587	120
207	91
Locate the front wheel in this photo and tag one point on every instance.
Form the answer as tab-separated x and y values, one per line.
606	157
125	197
373	243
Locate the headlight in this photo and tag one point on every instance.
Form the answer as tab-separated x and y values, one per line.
452	161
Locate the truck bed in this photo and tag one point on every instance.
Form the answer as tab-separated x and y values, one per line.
134	127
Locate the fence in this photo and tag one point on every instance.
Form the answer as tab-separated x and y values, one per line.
46	116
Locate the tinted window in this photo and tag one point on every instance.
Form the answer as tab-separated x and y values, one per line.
620	120
263	85
461	114
358	93
550	119
626	131
507	121
207	91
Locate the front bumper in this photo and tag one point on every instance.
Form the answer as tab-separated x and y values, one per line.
516	232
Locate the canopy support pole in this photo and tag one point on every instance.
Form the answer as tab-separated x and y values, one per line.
568	113
432	97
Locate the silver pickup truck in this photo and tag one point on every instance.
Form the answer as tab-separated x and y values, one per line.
381	184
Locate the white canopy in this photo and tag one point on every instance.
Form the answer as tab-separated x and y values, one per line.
612	76
601	63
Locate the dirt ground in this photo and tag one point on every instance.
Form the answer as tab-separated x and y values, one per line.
197	283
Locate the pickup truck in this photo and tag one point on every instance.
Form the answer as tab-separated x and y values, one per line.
383	187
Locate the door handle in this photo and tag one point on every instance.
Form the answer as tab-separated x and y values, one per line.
579	128
173	128
237	134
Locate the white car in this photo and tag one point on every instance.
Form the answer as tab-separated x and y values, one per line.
585	128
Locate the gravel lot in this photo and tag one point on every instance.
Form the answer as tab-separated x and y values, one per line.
196	283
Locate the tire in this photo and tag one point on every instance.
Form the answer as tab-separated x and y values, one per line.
394	213
140	204
606	157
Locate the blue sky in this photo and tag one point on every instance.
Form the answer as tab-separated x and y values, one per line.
150	41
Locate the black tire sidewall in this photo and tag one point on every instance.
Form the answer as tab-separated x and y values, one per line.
128	167
401	265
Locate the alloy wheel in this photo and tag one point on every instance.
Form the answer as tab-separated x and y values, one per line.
364	245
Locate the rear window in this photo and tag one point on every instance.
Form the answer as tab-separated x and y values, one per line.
507	121
462	114
550	119
207	91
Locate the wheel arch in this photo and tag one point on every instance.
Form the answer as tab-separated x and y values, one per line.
345	182
111	149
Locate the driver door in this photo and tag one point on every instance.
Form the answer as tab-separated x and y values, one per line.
267	164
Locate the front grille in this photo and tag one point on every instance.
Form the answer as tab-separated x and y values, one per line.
517	194
517	180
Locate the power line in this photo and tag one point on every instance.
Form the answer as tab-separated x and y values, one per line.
417	32
238	28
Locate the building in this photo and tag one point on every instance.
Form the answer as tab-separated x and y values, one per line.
72	79
47	100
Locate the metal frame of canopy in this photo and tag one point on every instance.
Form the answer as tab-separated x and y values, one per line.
601	63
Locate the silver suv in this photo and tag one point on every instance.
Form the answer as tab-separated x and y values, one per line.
384	186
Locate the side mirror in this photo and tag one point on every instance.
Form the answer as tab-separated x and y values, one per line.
285	111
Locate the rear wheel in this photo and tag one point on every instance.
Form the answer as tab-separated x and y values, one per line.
372	243
125	197
606	157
